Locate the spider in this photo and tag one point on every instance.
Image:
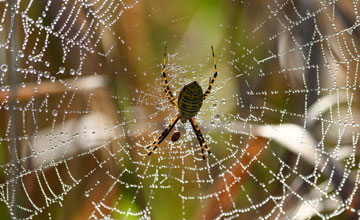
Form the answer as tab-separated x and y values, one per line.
188	105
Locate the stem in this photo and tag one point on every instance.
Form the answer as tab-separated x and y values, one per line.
13	81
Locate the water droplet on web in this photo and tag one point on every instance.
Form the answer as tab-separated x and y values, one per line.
72	72
47	64
61	70
217	117
1	27
20	53
46	74
4	67
54	112
223	101
39	20
52	79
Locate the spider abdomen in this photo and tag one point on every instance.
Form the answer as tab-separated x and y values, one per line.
190	100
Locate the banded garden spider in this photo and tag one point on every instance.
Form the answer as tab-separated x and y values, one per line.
189	103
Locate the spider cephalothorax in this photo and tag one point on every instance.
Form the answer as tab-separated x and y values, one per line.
189	103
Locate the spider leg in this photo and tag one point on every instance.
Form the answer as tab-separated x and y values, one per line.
199	137
206	94
165	133
167	89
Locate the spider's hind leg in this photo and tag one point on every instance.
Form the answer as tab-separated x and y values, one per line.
165	133
200	138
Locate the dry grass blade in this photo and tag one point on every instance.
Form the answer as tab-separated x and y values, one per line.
232	180
58	87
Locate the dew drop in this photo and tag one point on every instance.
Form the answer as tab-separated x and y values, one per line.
4	68
54	112
39	20
20	53
61	70
47	74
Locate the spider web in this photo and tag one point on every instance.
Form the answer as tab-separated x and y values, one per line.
82	96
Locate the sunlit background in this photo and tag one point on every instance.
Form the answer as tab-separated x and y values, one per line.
82	97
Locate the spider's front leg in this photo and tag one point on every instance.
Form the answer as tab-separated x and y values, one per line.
165	133
211	82
167	89
199	137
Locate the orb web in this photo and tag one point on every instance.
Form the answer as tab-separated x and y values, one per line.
82	97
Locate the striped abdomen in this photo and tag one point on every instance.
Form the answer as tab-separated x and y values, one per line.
190	100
